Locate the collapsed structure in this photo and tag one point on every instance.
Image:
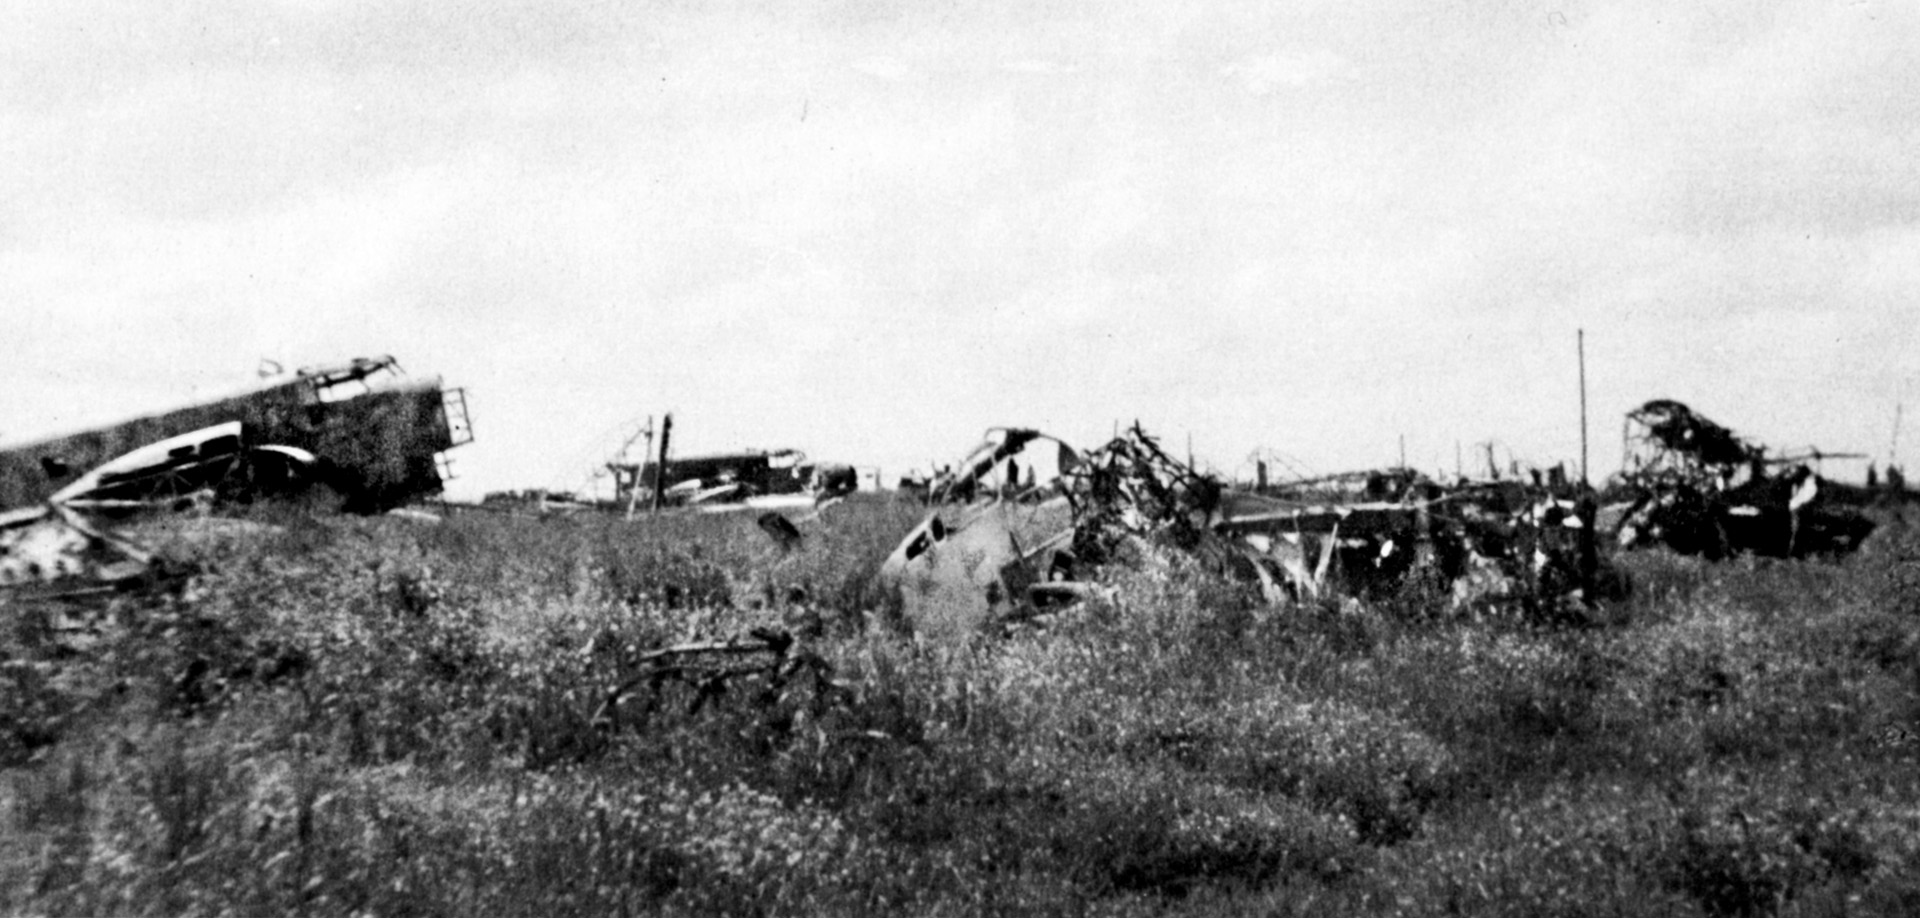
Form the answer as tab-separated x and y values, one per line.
1699	488
1476	544
361	433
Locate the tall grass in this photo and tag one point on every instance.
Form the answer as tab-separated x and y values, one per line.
344	716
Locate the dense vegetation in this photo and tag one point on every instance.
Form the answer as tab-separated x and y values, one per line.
377	716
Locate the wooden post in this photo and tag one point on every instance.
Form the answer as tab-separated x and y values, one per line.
660	467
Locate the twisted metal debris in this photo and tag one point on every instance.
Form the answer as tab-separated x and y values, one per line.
1698	488
1468	545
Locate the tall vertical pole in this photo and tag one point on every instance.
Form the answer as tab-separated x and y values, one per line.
1582	342
1893	448
660	467
1587	508
633	487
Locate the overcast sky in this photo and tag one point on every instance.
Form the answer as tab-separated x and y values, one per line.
870	230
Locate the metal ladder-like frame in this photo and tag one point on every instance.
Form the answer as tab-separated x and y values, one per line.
453	402
459	428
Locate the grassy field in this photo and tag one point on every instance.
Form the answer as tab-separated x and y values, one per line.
375	716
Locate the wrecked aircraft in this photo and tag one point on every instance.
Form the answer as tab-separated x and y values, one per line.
1484	543
372	446
372	435
731	478
1699	488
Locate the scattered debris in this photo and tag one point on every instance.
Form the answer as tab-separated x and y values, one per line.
779	669
780	529
1370	534
53	543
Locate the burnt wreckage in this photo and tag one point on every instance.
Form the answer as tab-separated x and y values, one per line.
1699	488
360	437
1030	545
